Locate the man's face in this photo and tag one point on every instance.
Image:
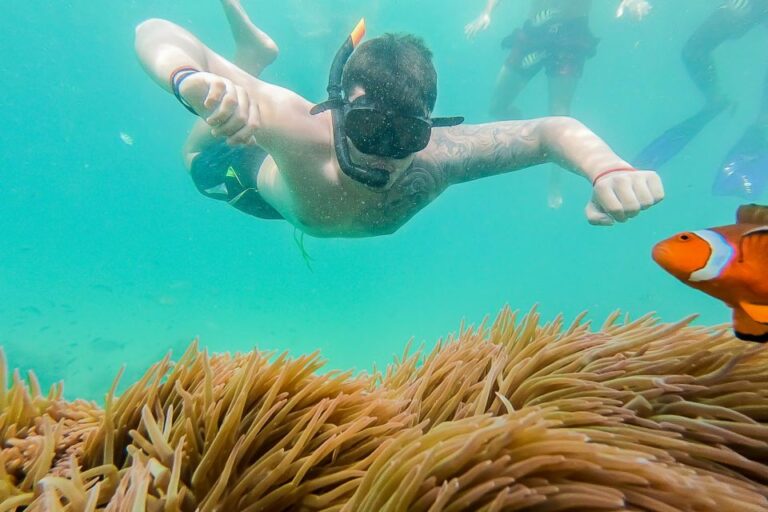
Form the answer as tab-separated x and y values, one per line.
395	166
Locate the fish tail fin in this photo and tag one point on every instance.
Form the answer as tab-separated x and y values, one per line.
747	329
752	214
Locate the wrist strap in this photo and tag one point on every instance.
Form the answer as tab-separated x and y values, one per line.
609	171
177	77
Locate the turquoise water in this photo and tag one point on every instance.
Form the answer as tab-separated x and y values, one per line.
110	257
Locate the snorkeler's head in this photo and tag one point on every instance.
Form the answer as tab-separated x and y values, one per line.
395	71
381	95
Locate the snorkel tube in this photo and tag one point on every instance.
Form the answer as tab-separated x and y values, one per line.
373	177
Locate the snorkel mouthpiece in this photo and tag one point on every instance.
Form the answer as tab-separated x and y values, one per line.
373	177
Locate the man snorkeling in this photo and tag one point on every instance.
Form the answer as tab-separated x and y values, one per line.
744	171
366	160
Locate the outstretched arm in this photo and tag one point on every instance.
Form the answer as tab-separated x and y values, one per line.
467	153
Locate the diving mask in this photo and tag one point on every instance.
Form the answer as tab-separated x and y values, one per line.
372	129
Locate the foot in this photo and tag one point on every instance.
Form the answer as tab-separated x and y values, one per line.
554	198
744	172
255	50
554	191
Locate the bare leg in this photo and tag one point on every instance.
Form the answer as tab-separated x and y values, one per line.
561	92
255	50
723	24
731	21
509	84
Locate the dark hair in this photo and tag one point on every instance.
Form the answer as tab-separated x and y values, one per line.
395	70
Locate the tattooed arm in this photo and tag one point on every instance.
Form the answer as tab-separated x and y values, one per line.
467	153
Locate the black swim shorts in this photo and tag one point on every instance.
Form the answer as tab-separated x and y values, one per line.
560	46
229	174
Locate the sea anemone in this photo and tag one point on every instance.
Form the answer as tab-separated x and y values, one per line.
639	415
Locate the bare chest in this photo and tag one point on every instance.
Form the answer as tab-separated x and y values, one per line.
331	205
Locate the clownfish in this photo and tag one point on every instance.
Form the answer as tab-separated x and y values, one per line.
729	263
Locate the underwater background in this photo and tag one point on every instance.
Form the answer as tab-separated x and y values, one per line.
110	257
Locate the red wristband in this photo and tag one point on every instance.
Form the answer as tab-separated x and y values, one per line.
609	171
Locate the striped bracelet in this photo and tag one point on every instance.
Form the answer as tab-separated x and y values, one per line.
177	77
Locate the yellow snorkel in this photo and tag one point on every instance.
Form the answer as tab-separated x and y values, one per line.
358	33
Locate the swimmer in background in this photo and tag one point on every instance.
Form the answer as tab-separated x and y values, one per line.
744	171
556	36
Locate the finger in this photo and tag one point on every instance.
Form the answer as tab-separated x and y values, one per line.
655	186
239	116
246	134
243	136
597	217
224	110
253	122
643	194
626	194
216	91
609	202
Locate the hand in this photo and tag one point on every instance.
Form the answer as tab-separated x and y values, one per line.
638	9
481	23
226	107
619	196
737	5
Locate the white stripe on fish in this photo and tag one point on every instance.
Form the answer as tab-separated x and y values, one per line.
720	255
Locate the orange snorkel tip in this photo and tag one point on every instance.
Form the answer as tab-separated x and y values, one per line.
358	33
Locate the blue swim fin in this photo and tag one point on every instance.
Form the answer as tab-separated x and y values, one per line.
744	172
671	142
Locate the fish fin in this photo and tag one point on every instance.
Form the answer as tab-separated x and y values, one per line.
747	329
752	214
754	247
757	312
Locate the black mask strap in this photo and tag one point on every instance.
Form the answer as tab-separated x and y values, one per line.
372	177
442	122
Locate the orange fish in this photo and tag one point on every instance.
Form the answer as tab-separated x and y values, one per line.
729	263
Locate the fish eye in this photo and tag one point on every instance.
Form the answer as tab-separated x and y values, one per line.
685	237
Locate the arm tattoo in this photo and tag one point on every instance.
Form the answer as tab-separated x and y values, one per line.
466	153
456	155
